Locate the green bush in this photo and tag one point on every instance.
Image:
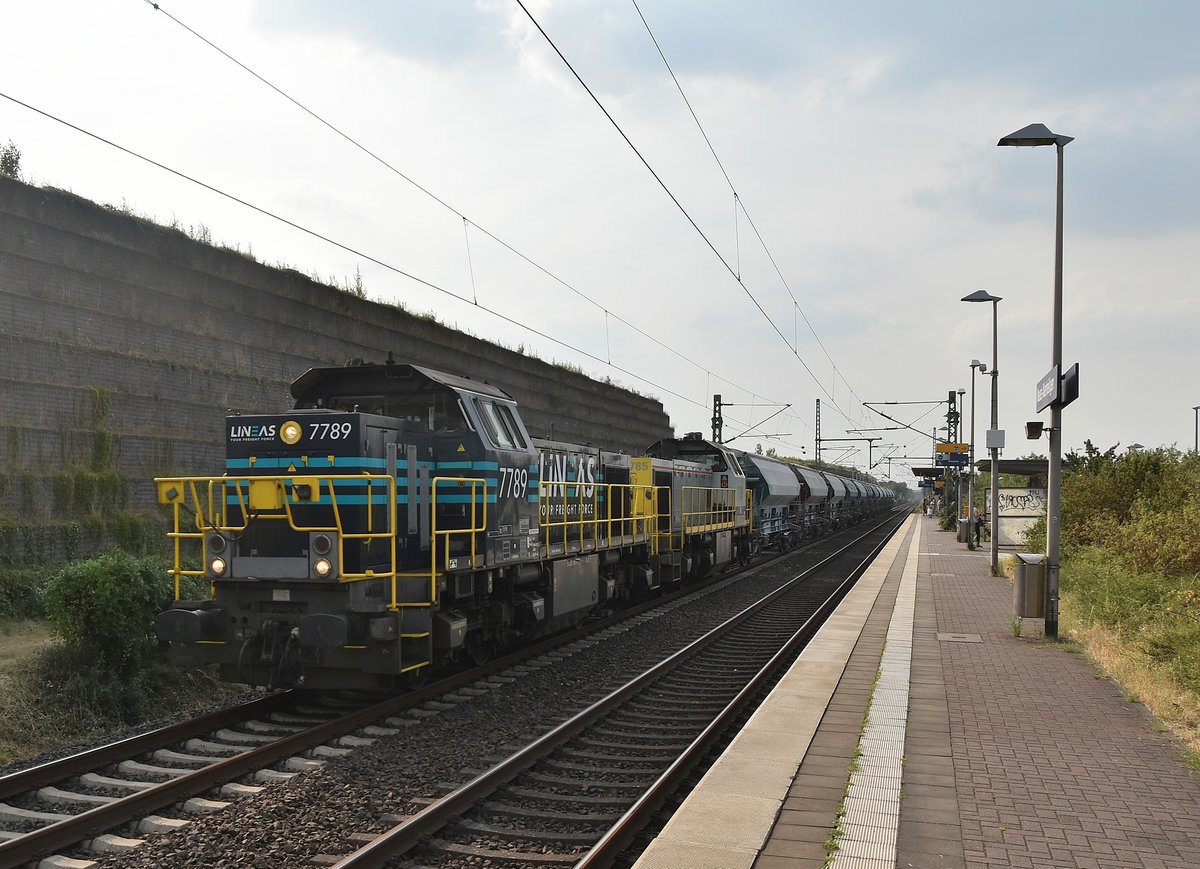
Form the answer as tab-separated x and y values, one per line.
1163	541
1157	613
104	607
21	593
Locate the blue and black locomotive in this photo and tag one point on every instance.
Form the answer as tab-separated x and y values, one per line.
398	517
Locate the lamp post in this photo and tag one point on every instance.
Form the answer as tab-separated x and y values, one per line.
1196	448
1031	137
975	363
993	432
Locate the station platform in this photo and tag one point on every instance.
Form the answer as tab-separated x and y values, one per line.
917	730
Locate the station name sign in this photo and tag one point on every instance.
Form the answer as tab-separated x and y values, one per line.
954	448
1055	388
1048	389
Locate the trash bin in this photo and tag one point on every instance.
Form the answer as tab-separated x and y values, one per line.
1029	587
964	530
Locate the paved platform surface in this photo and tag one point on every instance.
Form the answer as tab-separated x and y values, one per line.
1015	752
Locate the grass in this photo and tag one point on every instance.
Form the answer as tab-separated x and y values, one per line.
19	637
52	698
1143	630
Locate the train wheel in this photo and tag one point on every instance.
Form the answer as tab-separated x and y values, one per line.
480	651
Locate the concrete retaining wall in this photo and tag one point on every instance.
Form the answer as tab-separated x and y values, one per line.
124	343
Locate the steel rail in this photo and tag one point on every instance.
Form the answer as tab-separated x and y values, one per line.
406	835
38	843
102	755
618	837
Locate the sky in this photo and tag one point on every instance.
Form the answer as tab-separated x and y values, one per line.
810	238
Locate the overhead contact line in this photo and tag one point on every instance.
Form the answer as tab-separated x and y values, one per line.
341	246
465	219
732	271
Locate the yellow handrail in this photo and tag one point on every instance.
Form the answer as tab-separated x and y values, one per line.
707	509
588	515
272	498
477	525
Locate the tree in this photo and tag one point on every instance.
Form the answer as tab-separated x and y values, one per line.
10	161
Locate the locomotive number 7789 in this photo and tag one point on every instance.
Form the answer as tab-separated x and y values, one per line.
514	482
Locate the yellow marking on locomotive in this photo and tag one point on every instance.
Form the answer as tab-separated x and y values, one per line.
306	489
265	495
170	491
353	647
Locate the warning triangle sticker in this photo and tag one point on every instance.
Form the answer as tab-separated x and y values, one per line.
292	468
461	448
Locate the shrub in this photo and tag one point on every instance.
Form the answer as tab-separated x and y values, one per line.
105	607
1163	542
21	594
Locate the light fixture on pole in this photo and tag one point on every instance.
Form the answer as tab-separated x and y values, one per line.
995	437
1196	448
982	366
1031	137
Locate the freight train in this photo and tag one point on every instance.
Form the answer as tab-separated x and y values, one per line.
399	517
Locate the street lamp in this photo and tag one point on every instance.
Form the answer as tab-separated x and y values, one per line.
1031	137
975	363
993	439
1196	449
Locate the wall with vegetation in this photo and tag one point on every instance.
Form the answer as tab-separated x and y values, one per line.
125	343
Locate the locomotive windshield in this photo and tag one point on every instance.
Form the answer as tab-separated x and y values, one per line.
433	406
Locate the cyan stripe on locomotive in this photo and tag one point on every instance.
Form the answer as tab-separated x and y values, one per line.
398	516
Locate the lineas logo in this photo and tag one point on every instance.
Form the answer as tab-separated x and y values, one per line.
251	432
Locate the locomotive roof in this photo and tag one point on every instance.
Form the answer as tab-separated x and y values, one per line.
681	448
372	376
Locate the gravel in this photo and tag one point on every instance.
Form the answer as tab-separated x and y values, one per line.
316	813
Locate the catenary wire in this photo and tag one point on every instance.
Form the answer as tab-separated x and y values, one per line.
739	202
684	211
466	220
381	263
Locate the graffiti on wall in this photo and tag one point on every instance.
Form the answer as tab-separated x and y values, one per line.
1019	510
1022	502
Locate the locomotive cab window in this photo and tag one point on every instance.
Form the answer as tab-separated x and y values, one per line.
432	409
501	426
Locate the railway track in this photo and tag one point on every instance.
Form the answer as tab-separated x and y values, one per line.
578	794
74	802
71	811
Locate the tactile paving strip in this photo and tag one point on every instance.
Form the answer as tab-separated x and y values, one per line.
872	807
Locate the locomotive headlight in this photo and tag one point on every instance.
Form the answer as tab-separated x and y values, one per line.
217	567
322	544
216	543
290	432
322	567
